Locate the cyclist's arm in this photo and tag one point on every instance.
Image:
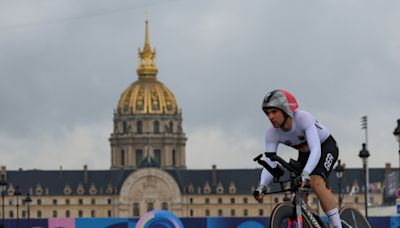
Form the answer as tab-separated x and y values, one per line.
314	144
271	145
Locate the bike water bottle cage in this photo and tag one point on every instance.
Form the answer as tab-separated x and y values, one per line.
277	172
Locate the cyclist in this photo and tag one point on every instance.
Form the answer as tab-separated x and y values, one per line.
318	150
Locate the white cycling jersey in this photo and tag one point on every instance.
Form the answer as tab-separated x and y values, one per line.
306	135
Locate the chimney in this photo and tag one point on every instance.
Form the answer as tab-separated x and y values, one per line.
388	167
85	174
3	172
60	171
214	175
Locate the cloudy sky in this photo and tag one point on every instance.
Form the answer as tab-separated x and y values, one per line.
64	64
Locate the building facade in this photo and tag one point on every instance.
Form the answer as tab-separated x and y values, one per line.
148	170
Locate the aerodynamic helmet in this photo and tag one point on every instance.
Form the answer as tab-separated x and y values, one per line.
281	99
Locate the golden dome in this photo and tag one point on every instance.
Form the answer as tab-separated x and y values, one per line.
147	95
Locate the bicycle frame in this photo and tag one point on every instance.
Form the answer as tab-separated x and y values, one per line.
298	201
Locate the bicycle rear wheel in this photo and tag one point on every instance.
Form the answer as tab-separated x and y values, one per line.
284	216
353	218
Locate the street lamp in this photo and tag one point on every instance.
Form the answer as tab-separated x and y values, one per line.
3	187
339	170
17	193
27	201
396	133
364	154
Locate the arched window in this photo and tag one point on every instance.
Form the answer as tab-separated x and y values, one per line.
157	157
171	127
139	157
150	206
124	127
139	127
156	126
136	210
164	206
174	158
122	157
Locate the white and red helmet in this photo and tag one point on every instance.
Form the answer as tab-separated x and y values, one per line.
281	99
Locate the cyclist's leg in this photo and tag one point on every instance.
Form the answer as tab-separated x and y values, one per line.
353	218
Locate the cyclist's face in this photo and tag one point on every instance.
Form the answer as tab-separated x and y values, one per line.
275	115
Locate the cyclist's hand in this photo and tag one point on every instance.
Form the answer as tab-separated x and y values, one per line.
304	179
259	193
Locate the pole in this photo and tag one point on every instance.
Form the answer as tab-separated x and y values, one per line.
340	193
366	188
2	208
17	212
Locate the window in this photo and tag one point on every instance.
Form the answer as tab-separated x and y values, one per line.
207	200
355	199
261	212
219	200
139	127
232	200
371	199
191	200
23	214
157	157
122	157
150	206
156	126
173	158
232	212
80	213
207	212
54	214
93	202
220	212
276	200
245	212
124	127
39	214
39	202
54	201
67	202
164	206
136	210
191	213
93	214
171	127
109	213
11	214
245	200
10	202
67	214
139	157
80	201
109	201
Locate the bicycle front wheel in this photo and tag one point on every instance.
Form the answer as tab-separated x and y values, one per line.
284	215
352	218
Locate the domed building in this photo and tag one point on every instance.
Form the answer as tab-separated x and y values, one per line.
147	121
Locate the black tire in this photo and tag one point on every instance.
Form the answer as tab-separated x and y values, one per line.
353	218
281	215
